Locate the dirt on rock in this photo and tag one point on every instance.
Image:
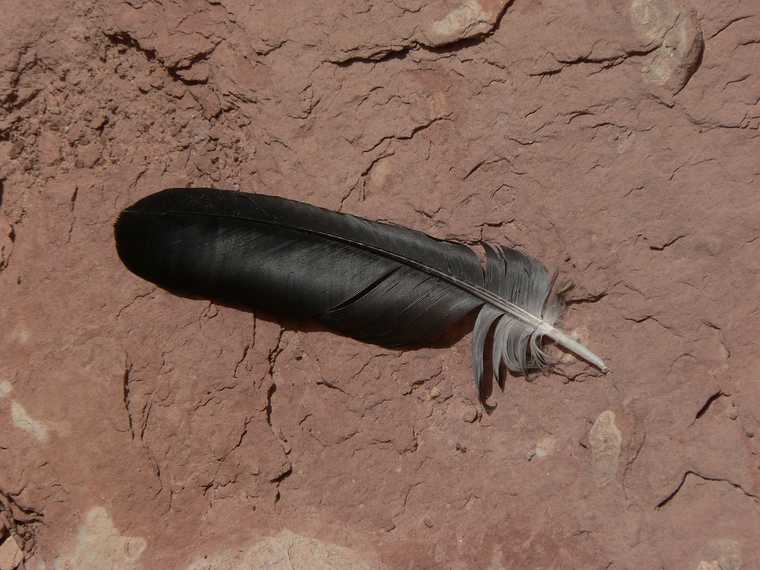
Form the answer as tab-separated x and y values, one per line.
617	141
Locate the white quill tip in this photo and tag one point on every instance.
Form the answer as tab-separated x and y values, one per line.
573	346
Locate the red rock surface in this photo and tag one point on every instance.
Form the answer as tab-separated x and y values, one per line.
617	142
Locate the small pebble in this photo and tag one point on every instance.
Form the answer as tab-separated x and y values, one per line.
11	556
470	415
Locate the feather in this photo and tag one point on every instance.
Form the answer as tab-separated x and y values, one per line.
373	281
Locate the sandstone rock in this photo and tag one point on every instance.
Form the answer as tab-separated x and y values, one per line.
201	430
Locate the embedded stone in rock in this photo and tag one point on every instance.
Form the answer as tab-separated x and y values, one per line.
606	440
22	420
721	554
544	447
471	18
11	554
676	30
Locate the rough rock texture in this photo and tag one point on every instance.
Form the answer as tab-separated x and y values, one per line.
616	141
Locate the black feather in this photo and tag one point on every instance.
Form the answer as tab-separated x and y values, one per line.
376	282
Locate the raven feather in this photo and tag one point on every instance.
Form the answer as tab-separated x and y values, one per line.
373	281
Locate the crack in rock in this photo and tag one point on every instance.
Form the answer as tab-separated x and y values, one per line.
186	71
7	234
125	396
708	404
381	56
460	28
268	409
672	495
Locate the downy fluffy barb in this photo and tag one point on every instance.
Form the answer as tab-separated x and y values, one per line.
376	282
519	324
